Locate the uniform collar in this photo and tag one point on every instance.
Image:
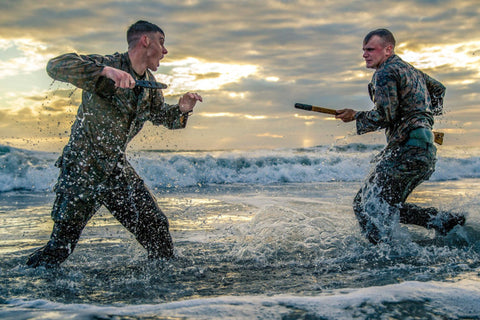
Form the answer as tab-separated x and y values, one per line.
390	59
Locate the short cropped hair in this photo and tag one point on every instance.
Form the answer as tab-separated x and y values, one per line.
384	34
139	28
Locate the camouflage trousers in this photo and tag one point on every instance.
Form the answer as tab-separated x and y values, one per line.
380	204
130	202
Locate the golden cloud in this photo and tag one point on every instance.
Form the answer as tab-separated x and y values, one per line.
60	100
457	55
30	56
191	74
269	135
231	115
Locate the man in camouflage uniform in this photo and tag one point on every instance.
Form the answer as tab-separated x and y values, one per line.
94	170
402	97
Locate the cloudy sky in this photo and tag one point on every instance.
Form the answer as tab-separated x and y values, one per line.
250	60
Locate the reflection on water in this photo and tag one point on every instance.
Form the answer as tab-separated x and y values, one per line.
236	240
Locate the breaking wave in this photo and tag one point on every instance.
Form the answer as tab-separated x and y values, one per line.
35	171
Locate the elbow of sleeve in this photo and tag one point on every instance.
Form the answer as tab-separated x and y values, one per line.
360	129
50	69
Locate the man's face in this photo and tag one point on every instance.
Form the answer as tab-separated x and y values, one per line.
375	52
155	50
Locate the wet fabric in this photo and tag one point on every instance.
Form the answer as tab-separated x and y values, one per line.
105	123
379	204
405	100
402	97
94	170
130	202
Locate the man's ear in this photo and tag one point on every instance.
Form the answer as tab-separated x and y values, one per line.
389	50
145	40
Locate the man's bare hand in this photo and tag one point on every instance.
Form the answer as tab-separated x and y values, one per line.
121	78
346	115
188	100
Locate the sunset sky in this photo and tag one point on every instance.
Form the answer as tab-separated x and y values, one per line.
250	60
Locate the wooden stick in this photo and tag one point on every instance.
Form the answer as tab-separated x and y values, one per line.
309	107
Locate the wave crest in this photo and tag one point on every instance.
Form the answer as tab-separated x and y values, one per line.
33	170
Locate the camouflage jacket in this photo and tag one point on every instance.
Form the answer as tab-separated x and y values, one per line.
105	123
403	98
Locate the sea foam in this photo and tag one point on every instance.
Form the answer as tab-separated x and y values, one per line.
408	299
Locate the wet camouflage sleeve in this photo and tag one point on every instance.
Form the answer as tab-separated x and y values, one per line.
83	71
437	92
401	101
168	115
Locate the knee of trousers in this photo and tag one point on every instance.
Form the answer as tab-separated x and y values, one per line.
71	209
357	204
364	215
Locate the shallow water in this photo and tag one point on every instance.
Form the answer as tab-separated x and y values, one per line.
246	251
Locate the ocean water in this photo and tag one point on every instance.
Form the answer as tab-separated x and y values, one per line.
265	234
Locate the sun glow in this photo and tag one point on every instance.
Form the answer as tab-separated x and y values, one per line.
191	74
460	55
269	135
231	115
22	56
